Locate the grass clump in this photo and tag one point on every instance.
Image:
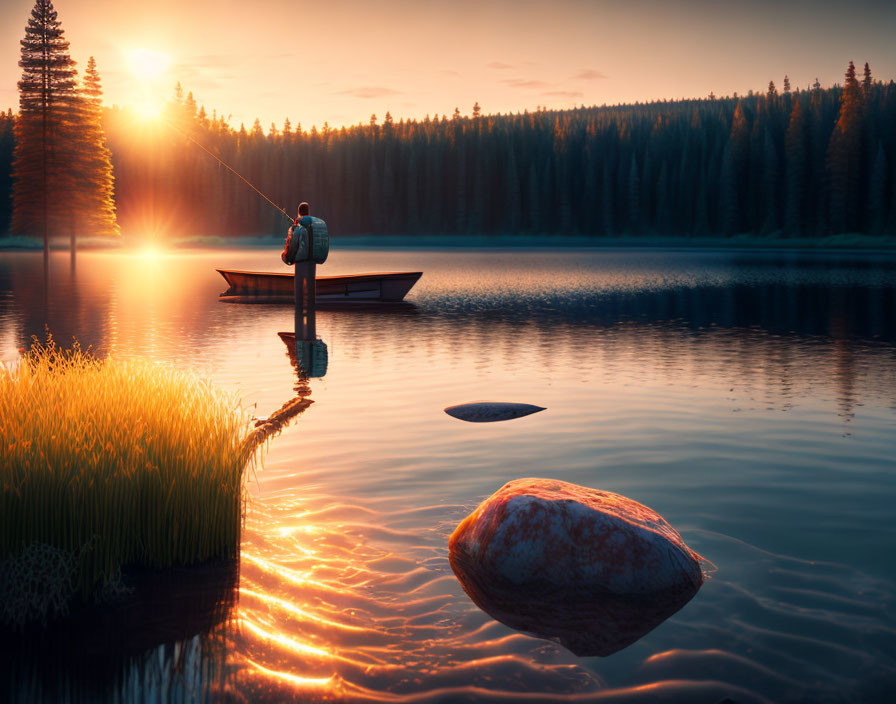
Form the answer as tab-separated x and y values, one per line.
117	463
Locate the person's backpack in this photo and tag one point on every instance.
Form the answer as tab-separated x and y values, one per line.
307	229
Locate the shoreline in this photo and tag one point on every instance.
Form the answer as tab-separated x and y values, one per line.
832	243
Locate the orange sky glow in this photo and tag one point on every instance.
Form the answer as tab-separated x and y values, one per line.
343	60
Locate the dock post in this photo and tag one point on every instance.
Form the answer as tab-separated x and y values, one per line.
306	297
311	309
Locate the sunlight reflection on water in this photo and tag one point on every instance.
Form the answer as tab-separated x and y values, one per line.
748	398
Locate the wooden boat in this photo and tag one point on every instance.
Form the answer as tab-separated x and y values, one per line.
271	287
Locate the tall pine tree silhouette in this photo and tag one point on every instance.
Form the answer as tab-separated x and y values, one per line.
94	204
7	143
795	151
845	157
48	103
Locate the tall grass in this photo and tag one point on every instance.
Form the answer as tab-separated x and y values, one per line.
118	463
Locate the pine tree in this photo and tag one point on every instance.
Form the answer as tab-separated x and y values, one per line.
376	223
845	156
786	84
701	214
48	103
7	142
533	207
634	198
547	224
388	206
460	207
734	162
94	185
663	204
562	184
477	207
769	186
433	197
413	219
590	195
607	192
867	82
890	223
876	203
817	211
729	191
795	167
513	204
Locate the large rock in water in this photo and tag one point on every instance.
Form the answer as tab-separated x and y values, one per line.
591	570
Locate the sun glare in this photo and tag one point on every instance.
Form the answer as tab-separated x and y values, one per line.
148	110
150	253
149	69
147	63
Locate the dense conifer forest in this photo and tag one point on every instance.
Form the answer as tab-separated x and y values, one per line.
796	163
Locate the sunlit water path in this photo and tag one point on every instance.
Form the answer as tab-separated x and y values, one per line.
749	398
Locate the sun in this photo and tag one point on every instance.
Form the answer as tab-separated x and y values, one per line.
148	63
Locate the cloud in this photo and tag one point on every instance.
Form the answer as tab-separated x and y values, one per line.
213	60
499	65
449	72
369	92
524	83
564	93
589	74
188	72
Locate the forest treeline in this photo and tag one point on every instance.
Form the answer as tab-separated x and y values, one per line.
797	163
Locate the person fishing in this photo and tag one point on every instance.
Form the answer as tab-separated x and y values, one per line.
302	229
308	238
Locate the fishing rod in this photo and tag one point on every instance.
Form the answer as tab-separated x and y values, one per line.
229	168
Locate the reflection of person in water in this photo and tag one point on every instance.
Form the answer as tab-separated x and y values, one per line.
309	359
291	247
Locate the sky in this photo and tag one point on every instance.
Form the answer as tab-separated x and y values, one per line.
340	61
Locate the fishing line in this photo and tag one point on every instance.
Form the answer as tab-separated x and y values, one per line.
229	168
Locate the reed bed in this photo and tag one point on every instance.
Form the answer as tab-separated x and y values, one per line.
117	463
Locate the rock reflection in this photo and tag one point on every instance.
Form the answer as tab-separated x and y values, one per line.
596	624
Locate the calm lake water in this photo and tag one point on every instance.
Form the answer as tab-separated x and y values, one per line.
750	398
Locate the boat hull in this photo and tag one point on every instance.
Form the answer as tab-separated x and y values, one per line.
271	287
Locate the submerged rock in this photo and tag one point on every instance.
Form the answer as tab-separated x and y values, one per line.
591	570
491	411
